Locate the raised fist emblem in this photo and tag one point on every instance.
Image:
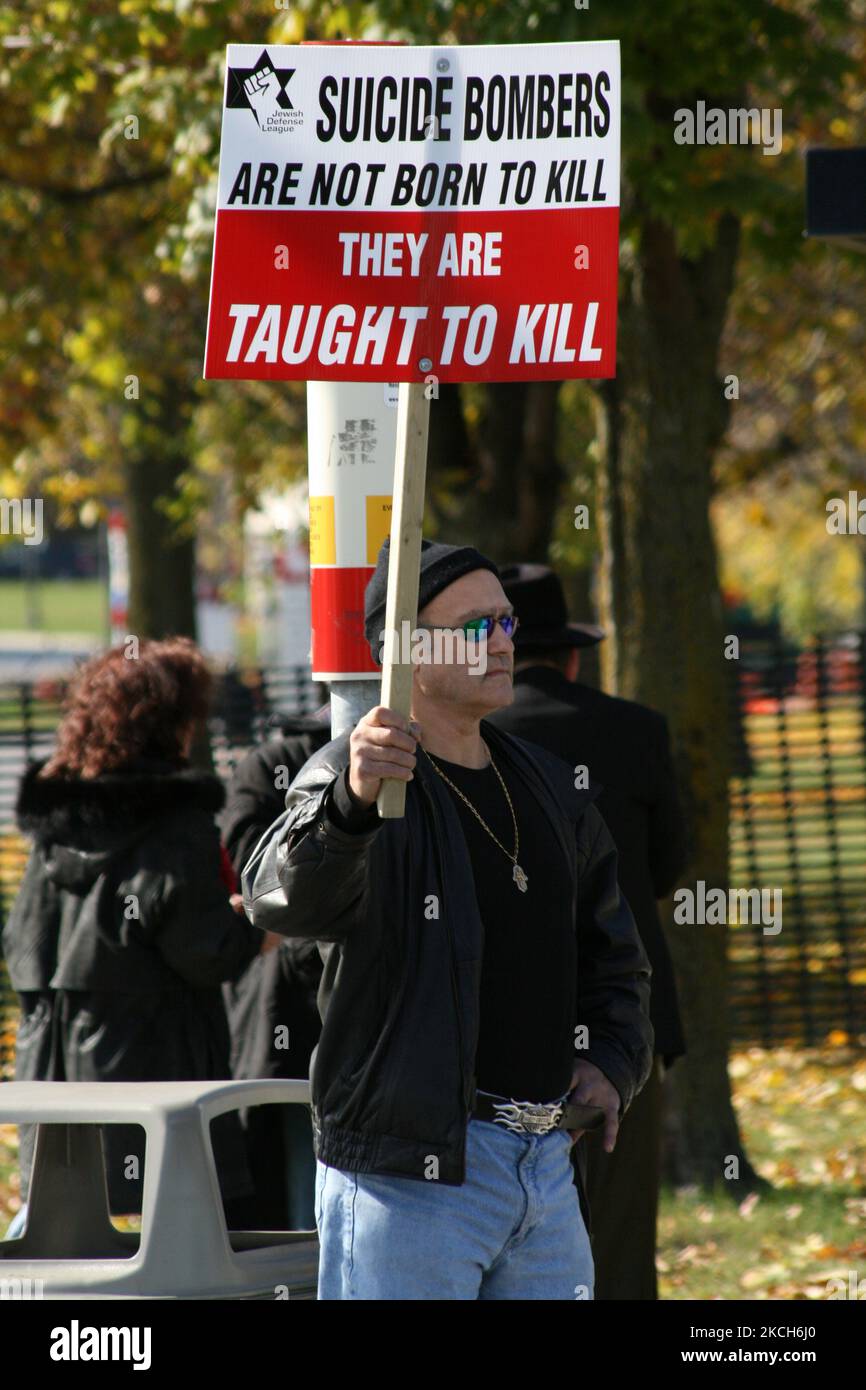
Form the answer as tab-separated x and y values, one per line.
262	90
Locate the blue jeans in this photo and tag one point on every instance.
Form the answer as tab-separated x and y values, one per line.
513	1230
17	1224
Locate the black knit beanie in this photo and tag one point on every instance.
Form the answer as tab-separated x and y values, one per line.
440	565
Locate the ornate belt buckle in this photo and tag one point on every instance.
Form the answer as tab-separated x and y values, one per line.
527	1118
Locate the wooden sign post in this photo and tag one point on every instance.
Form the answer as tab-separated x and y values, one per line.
401	601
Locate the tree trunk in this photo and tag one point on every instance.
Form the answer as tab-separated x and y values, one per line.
161	558
505	479
661	421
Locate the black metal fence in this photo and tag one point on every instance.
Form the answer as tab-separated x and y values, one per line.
798	822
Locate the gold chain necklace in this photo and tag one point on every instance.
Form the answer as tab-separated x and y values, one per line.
517	873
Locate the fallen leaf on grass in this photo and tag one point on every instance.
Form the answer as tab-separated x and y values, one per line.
758	1278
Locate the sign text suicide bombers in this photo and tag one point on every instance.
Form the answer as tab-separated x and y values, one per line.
390	213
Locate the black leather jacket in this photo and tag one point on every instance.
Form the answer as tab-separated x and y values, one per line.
395	915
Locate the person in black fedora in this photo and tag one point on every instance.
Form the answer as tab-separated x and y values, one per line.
465	946
625	747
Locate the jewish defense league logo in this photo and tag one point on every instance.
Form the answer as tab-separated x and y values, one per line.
262	90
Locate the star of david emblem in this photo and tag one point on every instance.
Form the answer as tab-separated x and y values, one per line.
244	82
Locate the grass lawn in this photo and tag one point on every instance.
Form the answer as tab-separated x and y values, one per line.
802	1116
62	605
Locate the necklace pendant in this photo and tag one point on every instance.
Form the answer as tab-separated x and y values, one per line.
520	878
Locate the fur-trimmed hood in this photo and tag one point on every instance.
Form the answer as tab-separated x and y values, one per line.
82	823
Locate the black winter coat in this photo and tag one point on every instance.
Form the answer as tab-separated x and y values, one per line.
277	988
254	799
392	1079
273	1003
121	936
626	749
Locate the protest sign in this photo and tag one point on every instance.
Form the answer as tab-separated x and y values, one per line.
417	214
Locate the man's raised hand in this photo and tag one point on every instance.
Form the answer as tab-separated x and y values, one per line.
382	744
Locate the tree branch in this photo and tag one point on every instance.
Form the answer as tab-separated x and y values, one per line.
70	194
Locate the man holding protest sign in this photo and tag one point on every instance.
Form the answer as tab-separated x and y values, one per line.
485	992
379	216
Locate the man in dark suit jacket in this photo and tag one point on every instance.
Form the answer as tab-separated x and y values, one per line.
623	746
278	994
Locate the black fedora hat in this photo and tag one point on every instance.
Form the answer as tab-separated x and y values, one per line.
535	592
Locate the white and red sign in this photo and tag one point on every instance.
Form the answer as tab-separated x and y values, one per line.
390	213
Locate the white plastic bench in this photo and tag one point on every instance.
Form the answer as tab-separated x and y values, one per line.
184	1249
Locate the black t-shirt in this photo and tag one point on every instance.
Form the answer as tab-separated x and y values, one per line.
528	975
529	970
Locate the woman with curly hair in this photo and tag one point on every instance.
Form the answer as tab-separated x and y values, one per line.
123	930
